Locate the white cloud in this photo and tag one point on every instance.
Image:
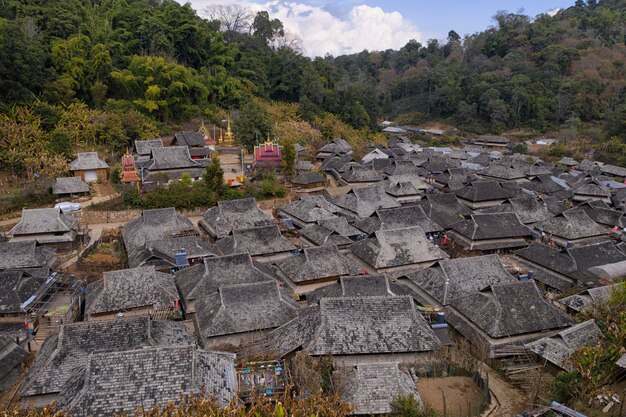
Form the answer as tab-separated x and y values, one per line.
364	27
553	12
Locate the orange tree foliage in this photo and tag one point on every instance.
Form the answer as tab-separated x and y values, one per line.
287	405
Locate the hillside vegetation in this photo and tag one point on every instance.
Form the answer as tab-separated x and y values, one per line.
165	64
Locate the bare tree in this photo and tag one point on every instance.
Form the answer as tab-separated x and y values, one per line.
233	18
288	40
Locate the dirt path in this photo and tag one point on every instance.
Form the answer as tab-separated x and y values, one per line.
506	400
461	395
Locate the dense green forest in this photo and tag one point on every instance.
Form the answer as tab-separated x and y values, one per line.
165	63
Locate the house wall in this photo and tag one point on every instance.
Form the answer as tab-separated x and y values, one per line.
275	257
101	173
481	204
143	311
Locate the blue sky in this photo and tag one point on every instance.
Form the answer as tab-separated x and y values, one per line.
349	26
436	18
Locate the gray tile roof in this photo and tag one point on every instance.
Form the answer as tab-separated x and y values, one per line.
61	353
588	297
372	387
364	202
506	310
337	146
130	289
595	254
356	325
202	280
360	173
23	255
408	216
87	161
118	383
368	325
545	256
242	308
144	147
43	220
264	240
188	139
572	225
69	185
16	288
502	171
150	226
316	263
162	252
229	215
492	226
398	247
481	191
171	157
307	178
364	285
464	276
528	209
311	209
321	235
558	349
444	209
11	354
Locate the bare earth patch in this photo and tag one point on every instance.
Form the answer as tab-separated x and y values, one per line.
461	395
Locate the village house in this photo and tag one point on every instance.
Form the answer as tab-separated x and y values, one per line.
614	171
28	257
397	251
361	174
132	292
572	227
308	182
194	142
376	153
529	210
171	163
70	187
484	233
228	215
481	194
492	141
504	314
17	292
371	387
170	254
363	202
237	314
404	192
399	218
502	172
592	192
334	231
62	353
152	226
601	213
12	355
452	279
309	210
314	268
336	147
89	167
118	383
444	209
588	298
558	349
204	280
49	227
143	148
356	286
264	243
357	330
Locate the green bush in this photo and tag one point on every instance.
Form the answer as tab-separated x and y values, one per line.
116	177
520	148
408	406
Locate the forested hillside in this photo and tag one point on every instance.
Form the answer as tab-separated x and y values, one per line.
166	63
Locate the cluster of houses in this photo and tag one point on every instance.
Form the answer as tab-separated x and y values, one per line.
413	250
